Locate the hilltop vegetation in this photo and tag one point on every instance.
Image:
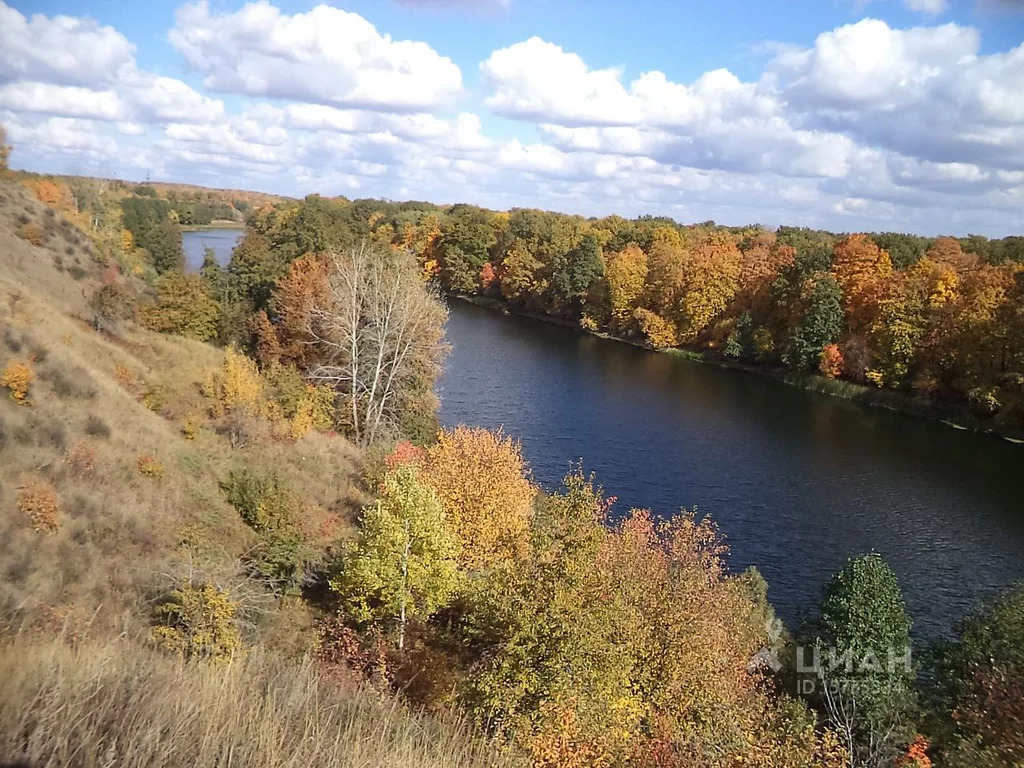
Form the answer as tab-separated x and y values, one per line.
233	483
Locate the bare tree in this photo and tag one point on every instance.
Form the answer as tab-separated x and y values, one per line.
5	148
869	741
379	334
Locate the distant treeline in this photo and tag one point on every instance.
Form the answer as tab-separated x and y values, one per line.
933	317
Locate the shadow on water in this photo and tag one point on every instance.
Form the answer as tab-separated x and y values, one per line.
796	481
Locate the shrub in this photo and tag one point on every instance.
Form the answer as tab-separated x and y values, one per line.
154	397
81	457
124	376
263	500
17	378
150	466
12	342
190	427
112	303
830	361
97	427
199	621
30	232
980	682
365	654
76	272
278	562
236	386
315	411
72	383
37	499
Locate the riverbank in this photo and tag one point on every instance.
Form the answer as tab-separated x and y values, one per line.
218	224
951	414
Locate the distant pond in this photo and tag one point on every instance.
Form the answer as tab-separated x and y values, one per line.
222	241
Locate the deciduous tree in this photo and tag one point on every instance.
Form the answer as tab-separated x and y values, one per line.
379	335
481	479
403	565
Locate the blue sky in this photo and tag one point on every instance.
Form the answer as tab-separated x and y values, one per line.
885	115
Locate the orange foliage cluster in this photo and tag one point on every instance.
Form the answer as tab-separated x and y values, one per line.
916	755
37	499
17	377
32	233
124	376
481	479
831	361
405	453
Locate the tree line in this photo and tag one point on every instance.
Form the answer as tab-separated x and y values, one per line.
939	319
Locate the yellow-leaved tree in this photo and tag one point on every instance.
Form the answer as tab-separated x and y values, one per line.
481	479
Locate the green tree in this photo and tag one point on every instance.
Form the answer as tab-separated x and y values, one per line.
572	274
183	307
403	565
822	324
864	668
467	236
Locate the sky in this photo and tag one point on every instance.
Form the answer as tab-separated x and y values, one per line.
851	115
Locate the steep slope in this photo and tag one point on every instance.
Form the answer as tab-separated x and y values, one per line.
119	453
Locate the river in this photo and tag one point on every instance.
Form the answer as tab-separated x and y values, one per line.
796	481
195	243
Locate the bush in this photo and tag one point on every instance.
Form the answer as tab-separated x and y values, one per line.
30	232
183	307
81	457
74	383
112	303
150	466
37	499
481	480
278	563
981	685
199	620
263	500
17	377
97	427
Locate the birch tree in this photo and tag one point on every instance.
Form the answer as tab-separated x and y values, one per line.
379	338
403	566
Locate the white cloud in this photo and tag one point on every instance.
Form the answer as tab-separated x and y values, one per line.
76	68
61	49
458	4
63	100
328	56
924	92
867	128
930	7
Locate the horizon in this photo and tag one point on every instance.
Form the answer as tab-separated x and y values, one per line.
847	116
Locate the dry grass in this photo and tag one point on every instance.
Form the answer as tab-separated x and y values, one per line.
124	705
121	531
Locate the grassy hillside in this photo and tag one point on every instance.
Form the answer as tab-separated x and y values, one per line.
116	469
